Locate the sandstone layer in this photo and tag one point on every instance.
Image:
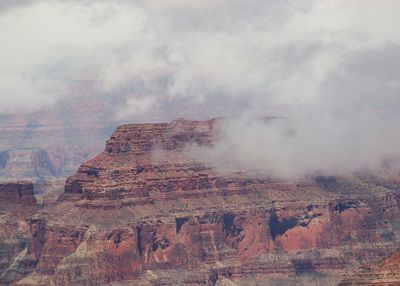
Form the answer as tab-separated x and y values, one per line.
143	213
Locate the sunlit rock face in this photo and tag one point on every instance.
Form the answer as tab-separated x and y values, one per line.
144	212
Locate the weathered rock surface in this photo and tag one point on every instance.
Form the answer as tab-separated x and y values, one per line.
17	205
383	273
17	192
143	213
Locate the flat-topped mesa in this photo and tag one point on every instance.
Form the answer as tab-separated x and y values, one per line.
144	210
139	158
142	138
20	192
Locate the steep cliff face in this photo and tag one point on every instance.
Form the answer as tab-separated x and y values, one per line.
27	164
17	204
42	164
17	192
142	212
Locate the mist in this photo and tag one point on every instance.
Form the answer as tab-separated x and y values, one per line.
327	71
351	125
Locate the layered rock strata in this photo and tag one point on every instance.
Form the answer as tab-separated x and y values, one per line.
54	141
17	205
143	213
42	164
20	192
382	273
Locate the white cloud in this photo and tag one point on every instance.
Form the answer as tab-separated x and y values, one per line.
52	41
327	65
138	106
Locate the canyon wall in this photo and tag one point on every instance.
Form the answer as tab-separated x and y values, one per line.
42	164
53	142
144	213
17	205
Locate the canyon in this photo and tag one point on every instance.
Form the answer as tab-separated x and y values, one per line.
144	212
51	143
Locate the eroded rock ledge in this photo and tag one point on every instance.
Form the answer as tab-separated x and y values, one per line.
20	192
141	212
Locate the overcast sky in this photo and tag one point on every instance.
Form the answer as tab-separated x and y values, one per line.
326	65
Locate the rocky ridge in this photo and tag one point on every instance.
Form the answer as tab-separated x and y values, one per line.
143	213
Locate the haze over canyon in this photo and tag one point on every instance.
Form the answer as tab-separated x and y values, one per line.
246	142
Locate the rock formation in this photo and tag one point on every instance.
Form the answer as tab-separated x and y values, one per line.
40	164
382	273
17	192
17	205
144	213
53	142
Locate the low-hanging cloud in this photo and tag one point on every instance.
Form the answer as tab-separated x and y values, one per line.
351	126
327	67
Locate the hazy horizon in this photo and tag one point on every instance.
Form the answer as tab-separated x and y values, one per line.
329	67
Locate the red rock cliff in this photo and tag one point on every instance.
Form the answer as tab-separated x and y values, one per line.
141	211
